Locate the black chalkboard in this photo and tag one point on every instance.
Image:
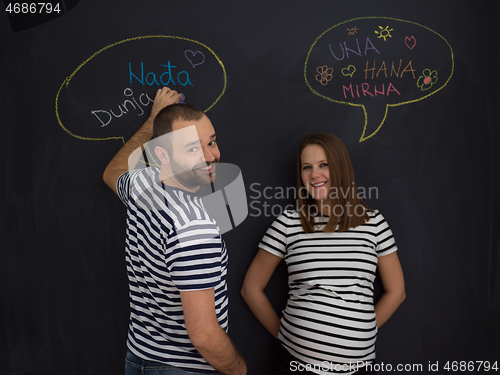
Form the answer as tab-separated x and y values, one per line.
411	89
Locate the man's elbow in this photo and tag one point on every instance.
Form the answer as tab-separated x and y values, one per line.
203	338
105	176
108	177
201	341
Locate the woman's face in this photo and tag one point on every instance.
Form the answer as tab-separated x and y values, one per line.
315	172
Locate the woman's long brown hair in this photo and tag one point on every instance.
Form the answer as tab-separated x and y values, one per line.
341	178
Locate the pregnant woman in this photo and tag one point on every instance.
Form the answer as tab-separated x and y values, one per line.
332	247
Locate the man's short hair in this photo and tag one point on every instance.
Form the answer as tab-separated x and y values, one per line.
165	119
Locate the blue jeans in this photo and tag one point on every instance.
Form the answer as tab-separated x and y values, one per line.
138	366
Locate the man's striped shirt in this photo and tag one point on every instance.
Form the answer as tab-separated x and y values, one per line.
172	245
329	319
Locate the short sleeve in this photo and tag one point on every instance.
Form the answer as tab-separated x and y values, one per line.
386	243
124	183
275	239
198	258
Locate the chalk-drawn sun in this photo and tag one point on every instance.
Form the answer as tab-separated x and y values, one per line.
384	33
352	31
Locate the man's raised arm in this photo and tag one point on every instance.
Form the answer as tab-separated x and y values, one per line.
120	162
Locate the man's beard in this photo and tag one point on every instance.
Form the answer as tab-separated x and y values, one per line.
192	178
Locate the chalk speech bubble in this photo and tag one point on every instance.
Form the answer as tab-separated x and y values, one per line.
109	95
376	63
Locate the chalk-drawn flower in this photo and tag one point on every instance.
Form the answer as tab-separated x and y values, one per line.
325	74
427	79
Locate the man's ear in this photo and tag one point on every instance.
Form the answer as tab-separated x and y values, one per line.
162	155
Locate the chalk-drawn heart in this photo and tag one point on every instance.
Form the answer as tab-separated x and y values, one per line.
410	42
349	71
194	60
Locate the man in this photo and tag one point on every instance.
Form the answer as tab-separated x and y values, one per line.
176	258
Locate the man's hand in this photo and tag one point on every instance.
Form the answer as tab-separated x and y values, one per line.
120	163
164	97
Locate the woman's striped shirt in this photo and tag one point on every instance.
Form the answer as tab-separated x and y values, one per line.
329	319
172	245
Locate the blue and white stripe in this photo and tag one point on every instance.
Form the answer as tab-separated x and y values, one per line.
329	320
172	245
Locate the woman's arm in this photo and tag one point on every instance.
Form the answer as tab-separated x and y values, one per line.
256	279
391	275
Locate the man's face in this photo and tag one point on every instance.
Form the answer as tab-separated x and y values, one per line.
194	154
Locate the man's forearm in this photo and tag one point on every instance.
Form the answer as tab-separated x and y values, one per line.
120	162
140	137
220	352
207	336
